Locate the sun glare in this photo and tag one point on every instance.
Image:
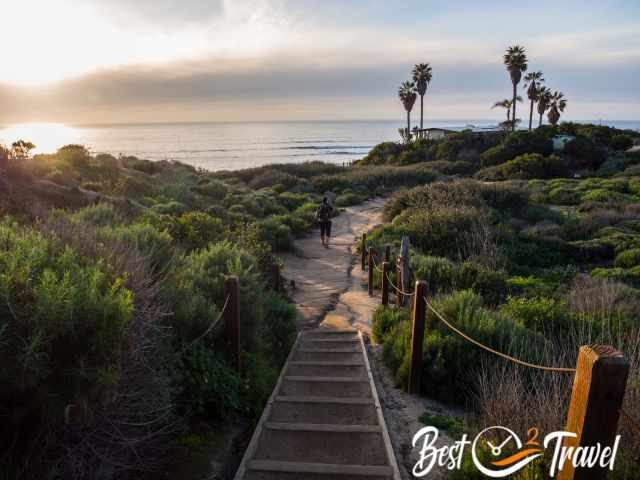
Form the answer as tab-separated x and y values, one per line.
47	137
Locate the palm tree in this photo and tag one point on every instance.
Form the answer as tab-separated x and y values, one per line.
544	99
556	107
421	77
407	96
515	58
533	82
507	105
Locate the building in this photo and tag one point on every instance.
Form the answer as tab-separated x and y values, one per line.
560	141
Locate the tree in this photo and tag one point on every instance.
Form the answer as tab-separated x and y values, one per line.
515	59
533	82
544	99
422	77
507	105
407	96
556	107
21	149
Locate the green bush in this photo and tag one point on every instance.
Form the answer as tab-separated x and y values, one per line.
152	243
170	208
490	284
213	189
541	314
534	165
438	272
195	229
382	153
275	233
621	141
98	215
348	198
64	321
584	153
628	258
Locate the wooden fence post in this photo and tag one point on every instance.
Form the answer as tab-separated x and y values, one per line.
232	320
405	269
596	398
387	253
417	336
399	296
371	269
363	250
385	284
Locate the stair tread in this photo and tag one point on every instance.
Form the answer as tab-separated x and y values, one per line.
319	468
332	340
327	363
315	399
329	350
323	427
314	378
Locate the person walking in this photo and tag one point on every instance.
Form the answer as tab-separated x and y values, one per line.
323	215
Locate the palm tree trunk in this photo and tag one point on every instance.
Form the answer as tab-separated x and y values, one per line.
421	109
540	124
515	96
531	115
408	126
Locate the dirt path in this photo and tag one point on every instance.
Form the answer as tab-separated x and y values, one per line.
327	279
331	292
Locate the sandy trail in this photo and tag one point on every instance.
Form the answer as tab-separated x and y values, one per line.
331	291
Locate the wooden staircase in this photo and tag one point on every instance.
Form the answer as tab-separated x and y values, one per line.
323	420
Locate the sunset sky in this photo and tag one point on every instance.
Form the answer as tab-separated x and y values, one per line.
103	61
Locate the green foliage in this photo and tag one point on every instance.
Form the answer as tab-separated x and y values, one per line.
438	272
490	284
534	165
382	153
621	141
65	321
452	425
195	229
541	314
584	153
348	198
518	143
628	258
275	233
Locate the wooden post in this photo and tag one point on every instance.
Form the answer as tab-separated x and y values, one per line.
399	296
403	263
598	391
363	249
371	269
276	277
385	283
387	253
417	337
232	320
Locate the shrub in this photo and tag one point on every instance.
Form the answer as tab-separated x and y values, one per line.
534	165
583	153
275	233
291	200
98	215
347	199
382	153
490	284
212	188
170	208
621	141
195	229
150	242
67	320
542	314
628	258
438	272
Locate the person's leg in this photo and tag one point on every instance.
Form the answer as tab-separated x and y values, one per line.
328	233
323	229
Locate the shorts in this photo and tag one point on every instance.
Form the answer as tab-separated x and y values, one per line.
325	228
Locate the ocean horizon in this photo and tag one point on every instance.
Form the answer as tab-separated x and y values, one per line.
237	145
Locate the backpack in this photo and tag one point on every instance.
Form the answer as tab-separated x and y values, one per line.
324	212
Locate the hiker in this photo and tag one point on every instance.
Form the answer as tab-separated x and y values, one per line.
323	216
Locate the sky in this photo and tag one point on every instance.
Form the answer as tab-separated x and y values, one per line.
120	61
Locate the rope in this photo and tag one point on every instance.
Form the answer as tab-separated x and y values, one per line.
397	289
375	264
495	352
214	323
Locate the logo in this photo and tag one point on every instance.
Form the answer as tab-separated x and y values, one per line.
498	452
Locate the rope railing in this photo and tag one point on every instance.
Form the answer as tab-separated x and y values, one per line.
215	323
398	289
491	350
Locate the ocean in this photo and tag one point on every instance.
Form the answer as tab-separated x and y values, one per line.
232	146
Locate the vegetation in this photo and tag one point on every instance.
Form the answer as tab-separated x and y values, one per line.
508	269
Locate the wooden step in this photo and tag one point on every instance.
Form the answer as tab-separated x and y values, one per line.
273	470
318	443
325	386
326	369
327	354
